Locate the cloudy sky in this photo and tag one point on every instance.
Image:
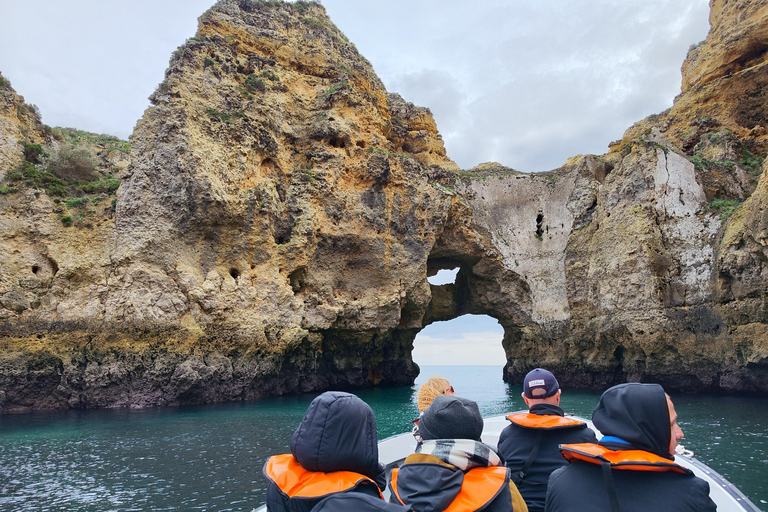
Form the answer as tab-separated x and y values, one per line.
527	83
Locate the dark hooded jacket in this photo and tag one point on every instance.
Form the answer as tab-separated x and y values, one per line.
430	484
338	433
517	442
635	417
452	465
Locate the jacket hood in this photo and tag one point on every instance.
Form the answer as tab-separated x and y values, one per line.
638	414
338	433
451	417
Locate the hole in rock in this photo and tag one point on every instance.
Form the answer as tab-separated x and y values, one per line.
443	277
298	279
336	142
361	144
539	222
35	269
234	273
469	340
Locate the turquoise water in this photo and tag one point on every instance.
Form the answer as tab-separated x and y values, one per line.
210	457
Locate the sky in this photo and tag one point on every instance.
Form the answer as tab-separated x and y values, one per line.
526	83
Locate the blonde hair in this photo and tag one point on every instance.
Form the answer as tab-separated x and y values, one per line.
435	386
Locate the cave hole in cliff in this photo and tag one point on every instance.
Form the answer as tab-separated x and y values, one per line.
443	276
297	279
469	340
539	224
35	269
234	273
337	142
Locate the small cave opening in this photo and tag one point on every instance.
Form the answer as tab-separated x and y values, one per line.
35	269
619	354
336	142
283	229
298	279
444	276
267	166
539	224
361	144
234	272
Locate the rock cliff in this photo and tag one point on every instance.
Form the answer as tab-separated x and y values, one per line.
281	212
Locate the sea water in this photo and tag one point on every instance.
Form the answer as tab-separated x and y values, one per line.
211	457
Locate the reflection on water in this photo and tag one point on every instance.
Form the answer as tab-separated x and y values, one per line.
210	457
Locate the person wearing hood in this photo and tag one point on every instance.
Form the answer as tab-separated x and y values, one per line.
334	450
452	468
632	468
530	444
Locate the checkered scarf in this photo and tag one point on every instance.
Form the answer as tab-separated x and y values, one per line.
465	454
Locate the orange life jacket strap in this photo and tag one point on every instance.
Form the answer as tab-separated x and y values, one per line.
635	460
297	482
546	422
480	487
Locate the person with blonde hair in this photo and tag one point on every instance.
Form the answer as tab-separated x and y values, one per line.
434	387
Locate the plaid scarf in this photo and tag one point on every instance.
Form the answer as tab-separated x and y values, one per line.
465	454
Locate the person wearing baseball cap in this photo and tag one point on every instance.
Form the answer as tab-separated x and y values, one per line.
452	467
529	445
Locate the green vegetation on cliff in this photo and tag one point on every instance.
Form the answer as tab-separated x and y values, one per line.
76	170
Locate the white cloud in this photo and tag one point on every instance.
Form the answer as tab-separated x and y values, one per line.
528	84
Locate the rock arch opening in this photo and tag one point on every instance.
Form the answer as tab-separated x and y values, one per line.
443	276
477	310
469	340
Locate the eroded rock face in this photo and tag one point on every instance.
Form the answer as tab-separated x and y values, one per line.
276	214
282	211
738	40
19	123
724	83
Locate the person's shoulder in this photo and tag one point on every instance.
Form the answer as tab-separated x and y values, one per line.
584	435
512	429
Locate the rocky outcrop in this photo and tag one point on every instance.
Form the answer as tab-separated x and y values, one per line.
737	40
281	212
19	123
724	84
277	214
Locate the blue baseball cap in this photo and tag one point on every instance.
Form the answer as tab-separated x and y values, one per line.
540	383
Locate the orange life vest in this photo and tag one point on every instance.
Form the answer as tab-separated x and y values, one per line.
635	460
546	422
480	487
297	482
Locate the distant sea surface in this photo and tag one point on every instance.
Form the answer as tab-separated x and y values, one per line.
210	457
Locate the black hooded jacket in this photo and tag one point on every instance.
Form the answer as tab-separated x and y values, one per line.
338	433
636	414
517	442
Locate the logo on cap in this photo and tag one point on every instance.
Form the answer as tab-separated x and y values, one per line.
537	382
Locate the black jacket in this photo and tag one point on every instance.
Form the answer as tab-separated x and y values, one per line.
430	484
338	433
516	443
638	415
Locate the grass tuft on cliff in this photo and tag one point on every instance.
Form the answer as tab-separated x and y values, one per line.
76	171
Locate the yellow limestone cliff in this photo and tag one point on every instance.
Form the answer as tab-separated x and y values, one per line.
281	211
